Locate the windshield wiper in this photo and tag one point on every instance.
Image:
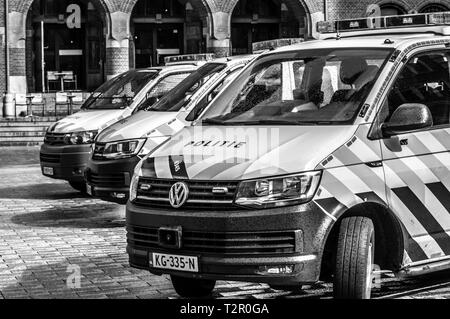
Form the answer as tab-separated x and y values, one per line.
123	97
266	122
214	121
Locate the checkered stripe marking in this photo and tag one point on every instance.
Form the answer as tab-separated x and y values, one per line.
416	188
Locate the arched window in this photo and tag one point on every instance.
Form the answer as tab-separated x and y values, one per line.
167	8
163	28
263	8
74	53
391	10
260	20
434	8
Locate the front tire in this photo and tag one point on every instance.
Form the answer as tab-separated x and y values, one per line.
191	287
79	186
354	258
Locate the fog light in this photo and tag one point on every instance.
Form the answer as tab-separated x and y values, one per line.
276	270
118	195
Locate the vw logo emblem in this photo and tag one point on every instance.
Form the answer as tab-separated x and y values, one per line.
178	194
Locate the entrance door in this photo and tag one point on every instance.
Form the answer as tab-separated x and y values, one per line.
243	35
417	165
153	42
169	40
76	51
144	41
240	38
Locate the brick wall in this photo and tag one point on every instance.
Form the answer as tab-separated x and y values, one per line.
2	49
345	9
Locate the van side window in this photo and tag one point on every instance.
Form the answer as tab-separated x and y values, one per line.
425	79
165	85
162	88
200	107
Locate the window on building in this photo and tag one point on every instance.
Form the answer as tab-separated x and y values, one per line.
434	8
167	8
263	8
78	49
391	10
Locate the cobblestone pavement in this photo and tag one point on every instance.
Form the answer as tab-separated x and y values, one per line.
48	232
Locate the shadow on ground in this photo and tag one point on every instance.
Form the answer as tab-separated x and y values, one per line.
59	280
51	191
112	277
95	215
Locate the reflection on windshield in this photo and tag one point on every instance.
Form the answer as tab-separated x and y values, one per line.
120	91
308	87
180	95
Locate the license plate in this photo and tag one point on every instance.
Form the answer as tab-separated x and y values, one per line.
48	171
89	189
174	262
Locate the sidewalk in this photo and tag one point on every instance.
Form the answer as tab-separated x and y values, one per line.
50	232
11	156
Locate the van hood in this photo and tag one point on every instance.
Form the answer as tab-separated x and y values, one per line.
237	153
88	120
142	124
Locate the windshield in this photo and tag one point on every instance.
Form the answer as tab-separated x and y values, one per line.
326	86
120	91
181	94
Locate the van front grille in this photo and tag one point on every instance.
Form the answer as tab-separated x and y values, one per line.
108	180
202	194
50	158
230	243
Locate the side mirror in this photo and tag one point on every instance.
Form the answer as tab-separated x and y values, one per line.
408	118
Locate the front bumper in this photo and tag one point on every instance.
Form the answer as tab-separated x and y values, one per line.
110	179
309	224
66	162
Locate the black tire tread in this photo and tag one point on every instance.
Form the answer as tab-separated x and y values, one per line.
352	246
192	288
79	186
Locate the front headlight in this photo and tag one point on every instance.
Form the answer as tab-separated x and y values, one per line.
79	138
278	191
123	149
135	180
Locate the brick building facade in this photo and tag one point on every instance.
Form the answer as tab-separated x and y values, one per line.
200	25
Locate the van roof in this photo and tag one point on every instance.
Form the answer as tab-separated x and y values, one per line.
175	68
366	40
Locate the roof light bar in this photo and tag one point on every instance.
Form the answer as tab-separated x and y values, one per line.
259	47
387	22
187	58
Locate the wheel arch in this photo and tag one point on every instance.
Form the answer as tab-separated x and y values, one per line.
389	235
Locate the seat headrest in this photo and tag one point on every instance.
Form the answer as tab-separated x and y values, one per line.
351	69
366	77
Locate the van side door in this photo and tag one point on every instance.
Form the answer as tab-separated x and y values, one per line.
417	160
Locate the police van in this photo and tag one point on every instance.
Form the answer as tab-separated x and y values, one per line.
67	143
121	146
328	160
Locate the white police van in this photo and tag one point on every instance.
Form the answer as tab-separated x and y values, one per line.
121	146
67	143
324	160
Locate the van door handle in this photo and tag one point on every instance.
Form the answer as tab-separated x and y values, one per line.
375	164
